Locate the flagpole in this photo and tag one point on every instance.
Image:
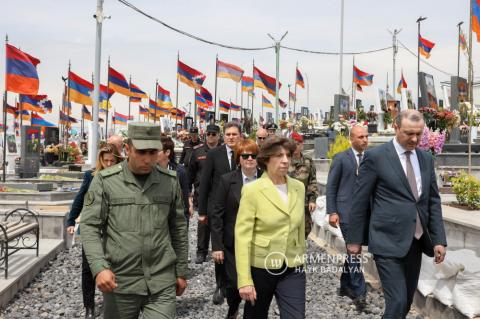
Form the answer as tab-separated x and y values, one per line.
241	103
230	111
156	99
215	92
295	100
194	108
470	89
353	82
176	102
108	100
130	85
459	25
114	122
68	101
82	124
4	162
419	20
277	73
253	89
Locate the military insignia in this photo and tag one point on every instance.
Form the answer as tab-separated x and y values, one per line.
89	198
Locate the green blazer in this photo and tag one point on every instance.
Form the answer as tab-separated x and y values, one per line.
267	232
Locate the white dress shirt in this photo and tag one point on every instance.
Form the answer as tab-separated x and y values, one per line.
229	155
246	179
414	159
356	156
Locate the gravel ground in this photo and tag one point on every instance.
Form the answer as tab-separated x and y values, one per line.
56	292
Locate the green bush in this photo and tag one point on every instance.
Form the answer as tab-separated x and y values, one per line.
467	190
340	144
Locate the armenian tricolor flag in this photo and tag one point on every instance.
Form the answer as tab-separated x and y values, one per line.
425	46
476	18
157	110
463	41
32	102
105	93
21	73
135	99
37	120
282	103
247	84
11	109
79	90
224	106
359	88
136	92
299	79
190	76
118	83
229	71
163	97
123	117
263	81
292	96
201	101
142	110
402	84
25	115
362	78
177	114
86	115
206	95
235	107
66	119
266	102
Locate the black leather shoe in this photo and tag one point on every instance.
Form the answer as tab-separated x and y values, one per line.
201	258
345	292
89	312
218	296
232	313
361	302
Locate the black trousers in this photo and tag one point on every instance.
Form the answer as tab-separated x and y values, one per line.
399	277
233	297
203	238
288	287
88	283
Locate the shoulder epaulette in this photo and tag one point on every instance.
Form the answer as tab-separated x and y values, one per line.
167	171
198	146
115	169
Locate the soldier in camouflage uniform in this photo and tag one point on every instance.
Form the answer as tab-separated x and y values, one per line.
134	232
303	169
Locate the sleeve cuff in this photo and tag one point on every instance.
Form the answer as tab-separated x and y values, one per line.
98	267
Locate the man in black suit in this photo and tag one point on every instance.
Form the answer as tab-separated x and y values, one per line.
341	180
406	215
219	161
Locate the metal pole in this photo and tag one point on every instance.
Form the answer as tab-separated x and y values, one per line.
470	91
4	162
69	125
176	99
108	101
341	49
395	51
419	20
92	152
194	108
295	100
215	92
308	90
156	99
130	85
459	25
277	74
353	83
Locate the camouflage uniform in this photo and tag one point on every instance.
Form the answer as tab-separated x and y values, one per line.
304	170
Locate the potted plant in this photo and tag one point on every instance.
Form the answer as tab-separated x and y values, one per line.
387	119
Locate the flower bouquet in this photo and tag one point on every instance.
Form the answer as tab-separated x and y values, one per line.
432	141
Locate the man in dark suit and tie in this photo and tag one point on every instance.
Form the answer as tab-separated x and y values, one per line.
341	180
220	160
405	219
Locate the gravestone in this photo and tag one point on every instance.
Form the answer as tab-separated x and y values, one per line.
51	135
320	147
30	152
340	106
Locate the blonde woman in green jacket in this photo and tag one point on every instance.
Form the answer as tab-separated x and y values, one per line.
269	236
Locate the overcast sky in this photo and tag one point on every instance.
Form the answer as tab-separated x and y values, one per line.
59	31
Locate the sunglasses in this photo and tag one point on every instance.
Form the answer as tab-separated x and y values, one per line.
246	156
261	138
211	134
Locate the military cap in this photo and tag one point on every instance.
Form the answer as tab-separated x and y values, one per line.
194	130
145	135
213	128
271	126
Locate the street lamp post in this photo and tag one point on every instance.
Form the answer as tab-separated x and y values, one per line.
277	73
419	20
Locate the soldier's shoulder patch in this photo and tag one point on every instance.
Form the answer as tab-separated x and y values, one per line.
111	170
198	146
167	171
89	198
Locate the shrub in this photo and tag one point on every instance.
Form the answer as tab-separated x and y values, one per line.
340	144
467	190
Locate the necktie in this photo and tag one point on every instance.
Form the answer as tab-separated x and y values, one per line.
232	161
360	156
413	185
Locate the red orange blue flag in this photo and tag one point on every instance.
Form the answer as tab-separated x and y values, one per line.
224	106
263	81
476	18
201	101
118	82
79	90
86	115
247	84
229	71
32	102
37	120
425	46
235	107
136	92
190	76
402	84
21	72
266	102
163	97
299	79
142	110
206	95
362	78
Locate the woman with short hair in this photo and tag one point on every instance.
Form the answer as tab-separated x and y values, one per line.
269	236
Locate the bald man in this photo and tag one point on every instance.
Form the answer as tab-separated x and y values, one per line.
116	140
261	136
340	184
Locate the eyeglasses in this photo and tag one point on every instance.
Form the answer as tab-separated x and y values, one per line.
246	156
211	134
261	138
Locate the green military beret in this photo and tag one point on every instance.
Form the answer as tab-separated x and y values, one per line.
145	135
